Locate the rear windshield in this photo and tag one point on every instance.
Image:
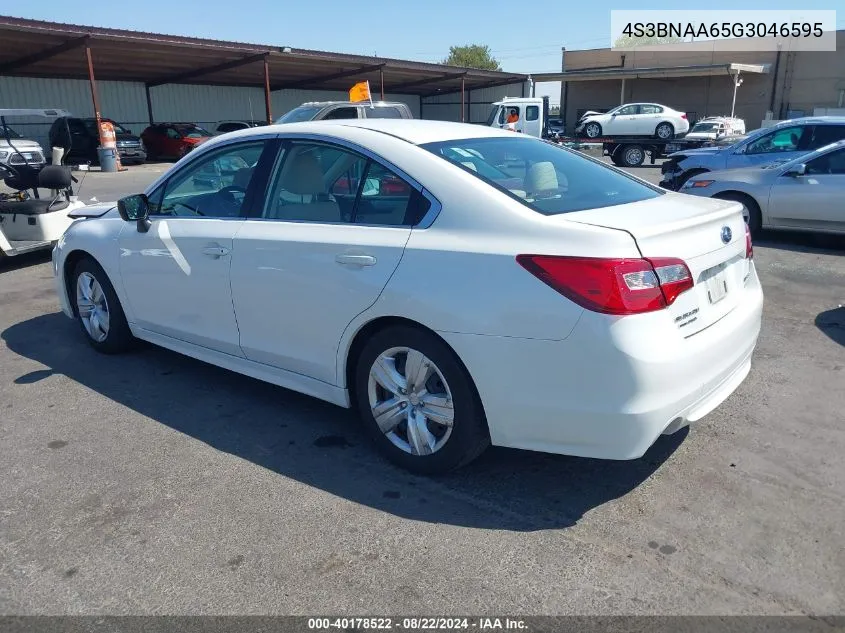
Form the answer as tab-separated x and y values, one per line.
545	177
6	131
192	131
302	113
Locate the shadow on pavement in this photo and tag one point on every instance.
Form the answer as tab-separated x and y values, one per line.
801	242
9	264
832	323
322	445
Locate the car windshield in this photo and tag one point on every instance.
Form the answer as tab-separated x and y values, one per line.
7	132
192	131
705	127
91	124
302	113
549	179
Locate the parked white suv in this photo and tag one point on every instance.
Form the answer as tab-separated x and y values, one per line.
634	119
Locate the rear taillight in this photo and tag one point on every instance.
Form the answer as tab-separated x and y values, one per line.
683	116
612	286
749	248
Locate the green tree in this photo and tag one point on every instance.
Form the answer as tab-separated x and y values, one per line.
624	41
472	56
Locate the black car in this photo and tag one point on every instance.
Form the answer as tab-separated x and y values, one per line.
85	139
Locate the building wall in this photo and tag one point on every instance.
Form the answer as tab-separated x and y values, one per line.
126	102
447	107
805	81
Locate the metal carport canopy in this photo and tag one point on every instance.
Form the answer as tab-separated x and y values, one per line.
659	72
34	48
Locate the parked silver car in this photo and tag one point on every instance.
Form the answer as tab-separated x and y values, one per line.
803	194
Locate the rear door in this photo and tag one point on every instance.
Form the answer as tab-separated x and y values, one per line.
317	253
648	118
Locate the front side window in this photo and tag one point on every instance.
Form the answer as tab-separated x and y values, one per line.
628	110
785	140
548	179
832	163
213	185
532	113
316	182
509	114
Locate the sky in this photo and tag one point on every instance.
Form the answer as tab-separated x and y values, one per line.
524	36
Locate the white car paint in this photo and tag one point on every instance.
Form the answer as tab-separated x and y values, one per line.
635	119
551	375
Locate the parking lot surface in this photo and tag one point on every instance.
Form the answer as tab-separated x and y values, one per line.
151	483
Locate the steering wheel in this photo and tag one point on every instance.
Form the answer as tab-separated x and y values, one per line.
230	191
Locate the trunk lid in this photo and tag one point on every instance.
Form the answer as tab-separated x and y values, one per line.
709	235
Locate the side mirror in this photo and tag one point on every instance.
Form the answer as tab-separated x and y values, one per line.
797	171
135	208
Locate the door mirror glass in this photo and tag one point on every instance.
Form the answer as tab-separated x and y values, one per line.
133	208
798	170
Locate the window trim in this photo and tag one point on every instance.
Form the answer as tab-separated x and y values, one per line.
271	145
285	140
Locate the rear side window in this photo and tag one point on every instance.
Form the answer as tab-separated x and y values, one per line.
342	113
532	113
826	134
383	113
549	179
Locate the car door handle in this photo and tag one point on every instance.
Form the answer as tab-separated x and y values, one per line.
215	251
356	260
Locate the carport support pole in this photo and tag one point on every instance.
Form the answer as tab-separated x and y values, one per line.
267	90
463	97
622	93
93	83
381	80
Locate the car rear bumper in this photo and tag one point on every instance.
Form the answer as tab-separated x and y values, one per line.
615	384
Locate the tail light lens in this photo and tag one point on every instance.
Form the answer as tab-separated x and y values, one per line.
749	248
683	116
612	286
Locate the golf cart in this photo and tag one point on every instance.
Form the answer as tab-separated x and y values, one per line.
29	222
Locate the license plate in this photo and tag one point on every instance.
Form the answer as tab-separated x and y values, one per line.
717	286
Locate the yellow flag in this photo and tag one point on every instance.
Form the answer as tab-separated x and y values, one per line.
360	91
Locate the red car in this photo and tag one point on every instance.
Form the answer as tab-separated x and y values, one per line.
172	140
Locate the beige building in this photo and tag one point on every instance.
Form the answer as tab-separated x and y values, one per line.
700	81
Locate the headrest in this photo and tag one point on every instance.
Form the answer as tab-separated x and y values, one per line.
54	177
541	177
242	177
304	176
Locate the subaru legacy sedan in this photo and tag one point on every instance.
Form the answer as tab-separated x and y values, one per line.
457	285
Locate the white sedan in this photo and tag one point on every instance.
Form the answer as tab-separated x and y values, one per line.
635	119
458	285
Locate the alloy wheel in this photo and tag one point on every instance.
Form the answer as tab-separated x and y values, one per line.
92	306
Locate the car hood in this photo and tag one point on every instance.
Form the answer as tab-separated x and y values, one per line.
20	144
93	210
699	151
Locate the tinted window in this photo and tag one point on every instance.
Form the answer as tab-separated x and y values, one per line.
785	140
532	113
7	132
342	113
383	113
830	163
826	134
628	110
547	178
213	185
324	183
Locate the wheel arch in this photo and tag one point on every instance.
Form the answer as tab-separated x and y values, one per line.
71	260
727	194
348	355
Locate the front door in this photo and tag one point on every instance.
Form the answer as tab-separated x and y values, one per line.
176	275
331	233
780	145
815	200
623	122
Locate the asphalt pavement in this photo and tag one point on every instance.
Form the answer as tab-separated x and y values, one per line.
151	483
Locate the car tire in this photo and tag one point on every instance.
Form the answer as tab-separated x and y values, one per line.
91	292
405	435
665	131
592	130
631	155
750	209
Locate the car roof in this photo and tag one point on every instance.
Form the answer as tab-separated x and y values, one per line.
415	131
353	103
